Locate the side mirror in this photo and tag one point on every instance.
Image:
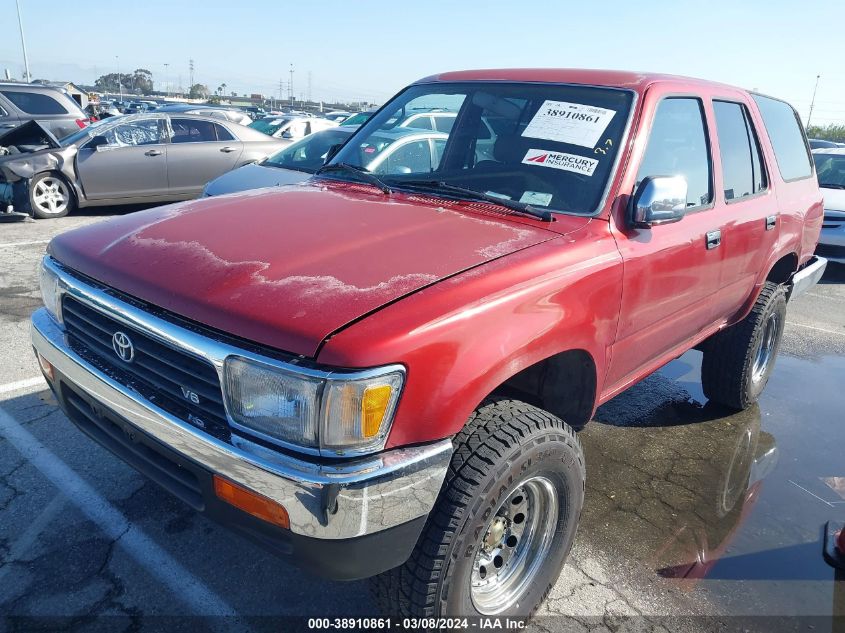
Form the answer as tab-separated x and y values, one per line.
97	142
659	200
333	150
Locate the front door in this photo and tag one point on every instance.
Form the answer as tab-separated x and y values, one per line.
670	271
131	164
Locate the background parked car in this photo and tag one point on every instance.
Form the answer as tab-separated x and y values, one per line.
818	143
359	118
140	158
830	169
51	107
289	166
292	127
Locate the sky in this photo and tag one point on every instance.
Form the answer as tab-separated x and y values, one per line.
368	51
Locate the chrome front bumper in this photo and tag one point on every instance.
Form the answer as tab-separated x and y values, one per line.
808	276
340	500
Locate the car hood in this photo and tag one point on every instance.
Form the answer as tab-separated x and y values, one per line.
31	133
287	268
834	199
254	176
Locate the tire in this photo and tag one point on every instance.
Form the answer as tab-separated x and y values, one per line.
738	361
50	196
514	490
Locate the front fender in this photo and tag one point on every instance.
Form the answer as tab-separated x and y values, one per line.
465	336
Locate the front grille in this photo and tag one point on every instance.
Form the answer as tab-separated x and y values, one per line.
166	376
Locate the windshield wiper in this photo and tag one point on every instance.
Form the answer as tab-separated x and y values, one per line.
831	185
513	205
359	171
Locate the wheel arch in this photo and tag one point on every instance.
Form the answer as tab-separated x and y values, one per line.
564	384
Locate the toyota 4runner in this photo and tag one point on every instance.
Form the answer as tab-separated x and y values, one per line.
382	374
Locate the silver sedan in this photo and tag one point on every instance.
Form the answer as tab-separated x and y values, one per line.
142	158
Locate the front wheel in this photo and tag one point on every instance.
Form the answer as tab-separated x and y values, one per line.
738	361
504	523
50	196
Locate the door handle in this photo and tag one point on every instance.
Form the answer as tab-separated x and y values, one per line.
153	152
771	222
228	150
713	239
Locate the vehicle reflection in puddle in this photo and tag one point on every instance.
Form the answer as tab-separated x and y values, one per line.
686	491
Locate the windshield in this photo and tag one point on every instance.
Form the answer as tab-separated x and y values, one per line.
549	146
310	153
358	119
269	126
831	170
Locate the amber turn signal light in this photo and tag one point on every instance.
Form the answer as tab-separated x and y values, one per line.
46	367
251	502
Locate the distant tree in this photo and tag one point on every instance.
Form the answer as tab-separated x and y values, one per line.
831	132
234	94
109	82
198	91
141	81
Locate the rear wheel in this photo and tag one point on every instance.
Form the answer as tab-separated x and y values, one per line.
504	523
739	360
50	196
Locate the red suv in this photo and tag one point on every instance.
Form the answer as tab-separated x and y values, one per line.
383	373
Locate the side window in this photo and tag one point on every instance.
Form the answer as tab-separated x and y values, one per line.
223	134
135	133
193	131
739	151
787	136
410	158
444	123
677	146
34	102
420	123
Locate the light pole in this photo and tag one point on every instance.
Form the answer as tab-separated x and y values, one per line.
166	85
813	102
23	43
119	83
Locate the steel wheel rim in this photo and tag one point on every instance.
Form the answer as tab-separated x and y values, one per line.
50	195
514	545
767	347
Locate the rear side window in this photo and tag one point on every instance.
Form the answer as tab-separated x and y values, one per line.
677	146
739	150
787	138
196	131
34	102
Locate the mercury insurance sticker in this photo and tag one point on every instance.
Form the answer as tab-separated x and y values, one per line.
561	160
572	123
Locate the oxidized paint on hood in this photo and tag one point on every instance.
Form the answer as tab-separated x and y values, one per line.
287	268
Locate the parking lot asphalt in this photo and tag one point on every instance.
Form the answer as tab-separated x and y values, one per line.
694	518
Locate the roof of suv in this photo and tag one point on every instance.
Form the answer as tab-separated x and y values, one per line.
616	78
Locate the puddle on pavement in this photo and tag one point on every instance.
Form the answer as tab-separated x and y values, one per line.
730	506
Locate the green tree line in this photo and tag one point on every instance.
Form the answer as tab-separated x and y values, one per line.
831	132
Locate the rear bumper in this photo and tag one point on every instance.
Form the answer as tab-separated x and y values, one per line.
808	276
348	519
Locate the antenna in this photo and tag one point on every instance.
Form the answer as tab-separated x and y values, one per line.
191	73
813	102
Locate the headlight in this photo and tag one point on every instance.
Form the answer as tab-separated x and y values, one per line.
335	413
49	283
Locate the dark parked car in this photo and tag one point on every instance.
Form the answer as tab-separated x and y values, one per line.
53	108
292	165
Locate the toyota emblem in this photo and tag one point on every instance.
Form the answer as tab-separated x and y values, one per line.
123	347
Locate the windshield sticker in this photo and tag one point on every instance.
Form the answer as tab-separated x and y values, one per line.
496	194
536	197
572	123
561	160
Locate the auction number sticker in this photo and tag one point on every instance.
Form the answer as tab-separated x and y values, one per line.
573	123
561	160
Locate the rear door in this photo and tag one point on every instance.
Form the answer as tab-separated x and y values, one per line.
670	274
133	163
748	207
200	150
